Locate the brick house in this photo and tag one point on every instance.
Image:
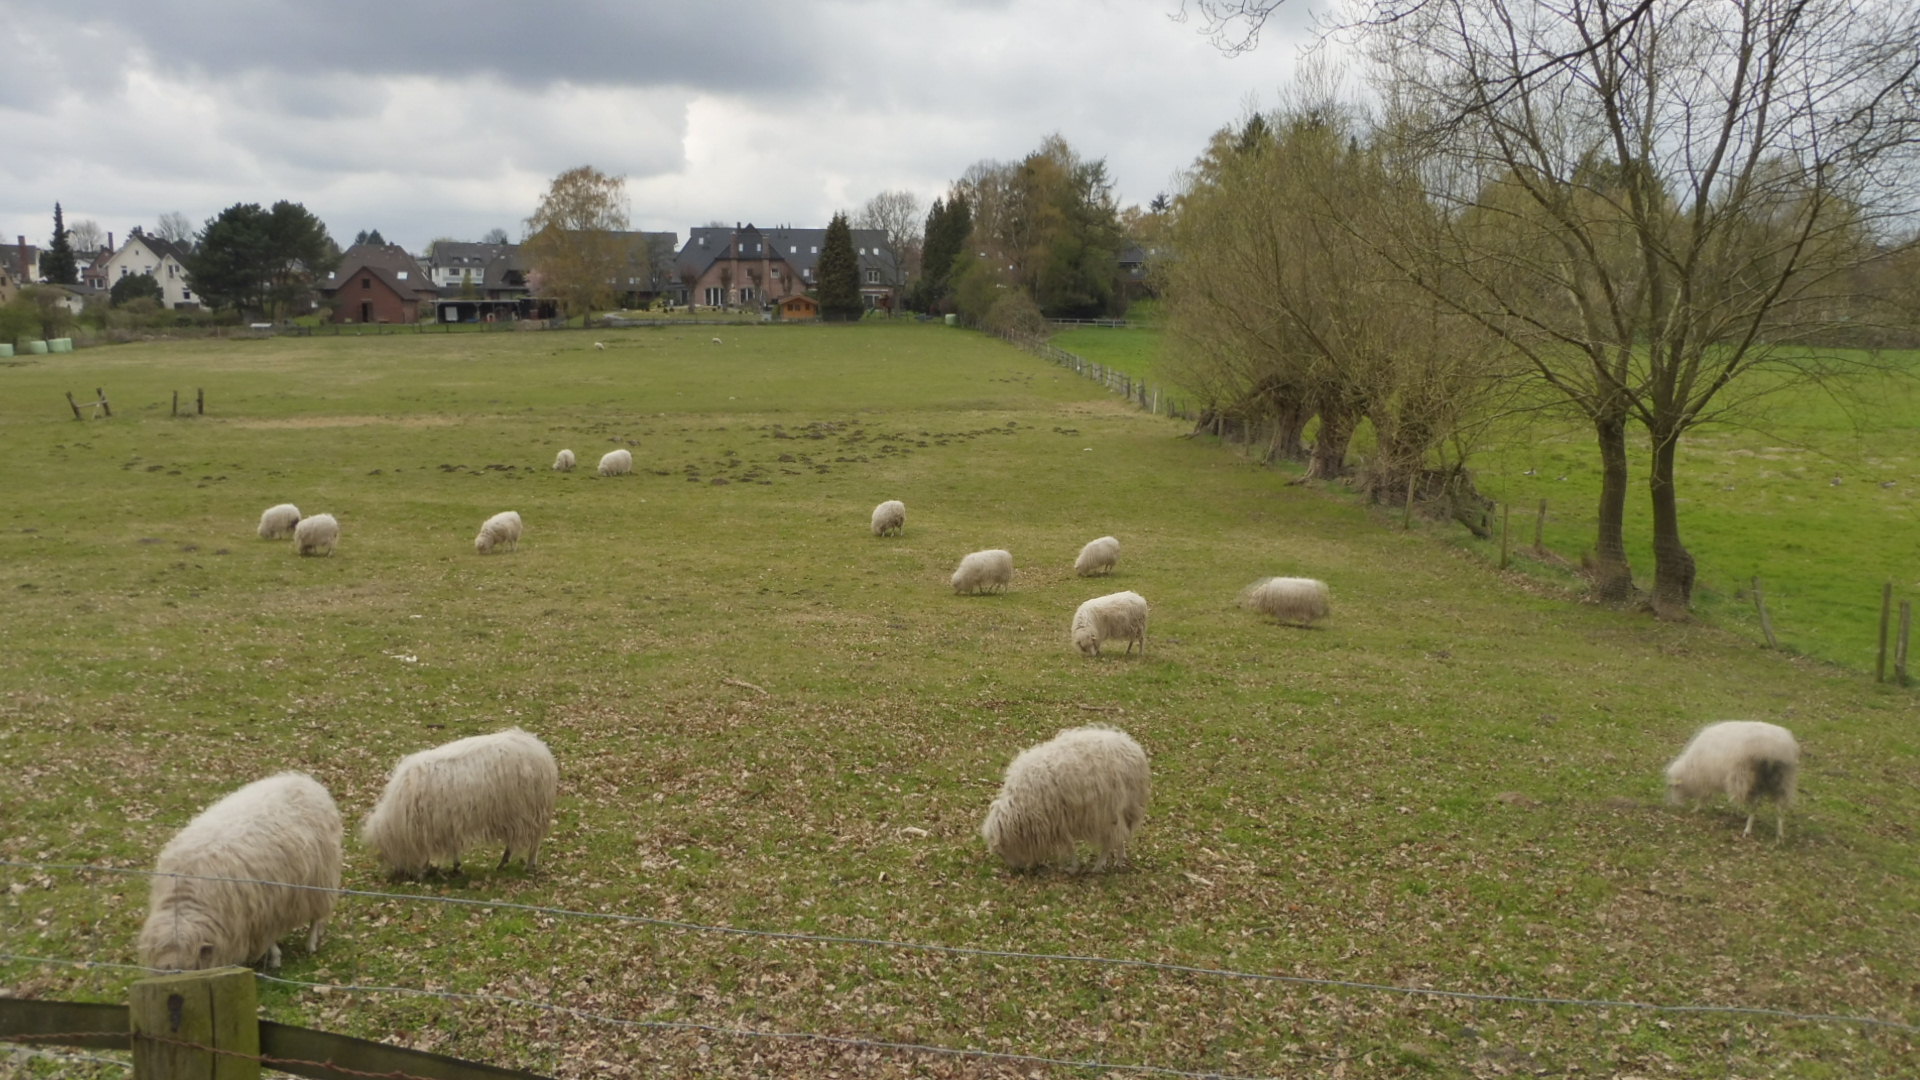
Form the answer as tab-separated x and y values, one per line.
377	283
21	262
747	266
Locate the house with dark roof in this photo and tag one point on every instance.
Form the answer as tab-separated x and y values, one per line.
377	283
21	262
163	259
747	266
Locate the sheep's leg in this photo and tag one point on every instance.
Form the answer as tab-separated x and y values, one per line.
313	935
273	957
504	856
1749	829
533	856
1779	824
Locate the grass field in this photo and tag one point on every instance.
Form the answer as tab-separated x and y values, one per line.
766	718
1815	491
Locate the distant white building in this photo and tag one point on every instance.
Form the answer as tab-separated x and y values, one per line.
166	261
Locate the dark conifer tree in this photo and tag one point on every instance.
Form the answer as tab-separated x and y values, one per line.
839	274
58	265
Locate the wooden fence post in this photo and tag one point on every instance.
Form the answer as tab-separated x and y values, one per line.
196	1024
1900	646
176	403
1886	615
200	402
74	405
1760	605
104	407
1506	512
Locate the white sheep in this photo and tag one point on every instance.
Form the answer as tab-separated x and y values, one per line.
1289	599
1747	760
563	461
982	571
1113	617
487	789
1086	785
277	522
716	341
1097	557
889	517
316	535
501	530
616	463
284	829
600	345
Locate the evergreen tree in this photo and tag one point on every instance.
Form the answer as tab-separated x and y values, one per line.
256	260
133	287
58	265
947	227
369	237
839	274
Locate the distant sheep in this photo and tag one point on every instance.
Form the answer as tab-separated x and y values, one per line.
1086	785
316	535
1097	557
563	461
283	829
716	341
1113	617
501	530
1747	760
600	345
277	522
889	517
616	463
488	789
1289	599
983	571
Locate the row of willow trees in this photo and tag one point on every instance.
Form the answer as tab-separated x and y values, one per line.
1626	210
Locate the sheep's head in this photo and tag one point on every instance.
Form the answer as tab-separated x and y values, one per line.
1086	640
484	542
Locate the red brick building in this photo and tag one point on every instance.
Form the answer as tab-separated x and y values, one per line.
378	283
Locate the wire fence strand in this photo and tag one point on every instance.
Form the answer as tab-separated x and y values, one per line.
1060	958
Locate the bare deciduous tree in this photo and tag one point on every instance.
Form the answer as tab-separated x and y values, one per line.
896	214
174	228
86	235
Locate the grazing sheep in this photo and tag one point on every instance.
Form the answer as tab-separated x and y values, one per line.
563	461
1086	785
1748	760
316	535
716	341
1097	557
889	517
488	789
284	829
982	571
277	522
1111	618
616	463
600	345
1289	599
501	530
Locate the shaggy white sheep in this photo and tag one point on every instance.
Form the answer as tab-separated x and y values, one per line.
1747	760
501	530
277	522
616	463
284	829
1097	557
1115	616
599	344
889	517
983	571
1289	599
488	789
316	535
1086	785
716	341
563	461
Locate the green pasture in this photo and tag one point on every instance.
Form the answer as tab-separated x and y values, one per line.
767	718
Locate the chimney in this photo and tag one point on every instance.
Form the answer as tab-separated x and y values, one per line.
109	243
26	268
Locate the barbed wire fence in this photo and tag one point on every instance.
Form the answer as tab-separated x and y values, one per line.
1893	1027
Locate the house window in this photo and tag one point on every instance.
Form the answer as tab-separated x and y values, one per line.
746	295
403	275
186	294
816	249
775	271
366	283
807	273
863	251
716	296
873	277
793	249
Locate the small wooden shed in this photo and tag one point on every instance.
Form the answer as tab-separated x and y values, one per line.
798	308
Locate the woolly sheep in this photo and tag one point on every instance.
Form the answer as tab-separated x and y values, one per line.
316	535
616	463
563	461
1111	618
277	522
1087	785
487	789
1097	557
716	341
889	517
501	530
982	571
1289	599
1748	760
282	829
599	344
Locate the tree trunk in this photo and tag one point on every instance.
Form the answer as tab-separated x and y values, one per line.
1329	461
1290	421
1612	576
1673	567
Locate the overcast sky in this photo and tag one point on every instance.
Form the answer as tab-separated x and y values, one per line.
429	119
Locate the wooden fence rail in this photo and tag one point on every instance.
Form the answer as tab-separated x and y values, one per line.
175	1027
1138	391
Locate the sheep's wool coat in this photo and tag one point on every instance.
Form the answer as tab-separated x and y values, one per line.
277	522
502	530
889	517
616	463
487	789
316	535
1749	761
1098	557
563	461
1289	599
1120	616
984	571
282	829
1086	785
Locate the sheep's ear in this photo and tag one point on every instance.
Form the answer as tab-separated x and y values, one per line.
206	956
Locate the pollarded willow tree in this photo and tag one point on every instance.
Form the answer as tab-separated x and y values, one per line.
573	244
